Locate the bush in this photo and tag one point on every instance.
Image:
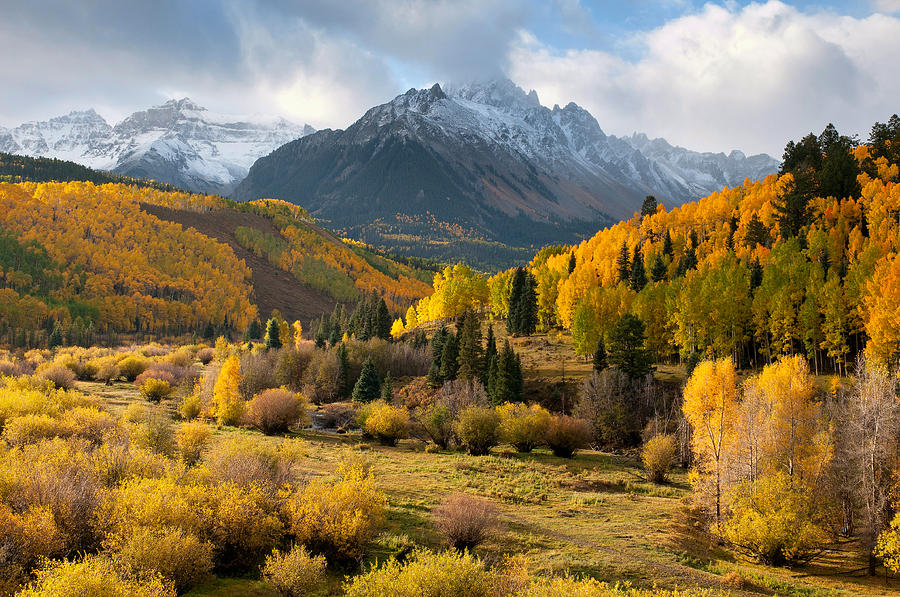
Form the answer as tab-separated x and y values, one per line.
94	576
178	557
276	411
34	428
107	370
522	426
258	374
189	408
59	375
206	355
387	423
27	538
426	574
155	390
337	518
439	425
295	573
658	457
478	429
157	374
775	522
132	366
246	460
192	439
566	435
244	525
465	521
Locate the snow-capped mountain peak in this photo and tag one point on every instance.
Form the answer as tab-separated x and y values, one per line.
179	142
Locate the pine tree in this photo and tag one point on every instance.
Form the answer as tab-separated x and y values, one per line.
572	262
437	350
626	347
490	354
56	337
658	272
600	360
638	277
383	321
687	262
387	388
668	249
450	358
343	370
334	338
273	334
368	386
522	319
623	264
321	334
756	274
470	350
648	208
757	233
254	331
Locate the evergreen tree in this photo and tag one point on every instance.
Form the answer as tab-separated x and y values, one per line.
387	388
572	262
343	370
600	360
490	354
437	351
648	208
732	227
501	383
420	339
522	319
792	204
626	347
450	358
638	277
273	334
321	334
688	261
383	321
756	274
668	249
254	331
368	386
492	377
623	264
757	233
658	272
470	350
336	335
56	337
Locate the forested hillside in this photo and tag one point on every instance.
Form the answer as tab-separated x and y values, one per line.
804	262
81	260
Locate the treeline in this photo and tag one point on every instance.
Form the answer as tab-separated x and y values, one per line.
803	262
19	168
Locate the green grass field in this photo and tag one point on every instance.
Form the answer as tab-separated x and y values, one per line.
593	515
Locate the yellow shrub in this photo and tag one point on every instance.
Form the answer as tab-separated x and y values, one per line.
93	576
294	573
247	460
387	423
132	366
192	439
189	408
426	574
523	426
33	428
28	537
658	456
227	403
337	518
774	521
155	390
478	429
178	557
244	524
120	460
157	503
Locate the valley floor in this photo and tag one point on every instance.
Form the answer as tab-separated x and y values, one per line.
594	515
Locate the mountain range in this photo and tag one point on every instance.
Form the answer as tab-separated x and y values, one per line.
178	142
483	163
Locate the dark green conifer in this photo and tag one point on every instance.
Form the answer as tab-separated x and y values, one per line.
273	334
368	386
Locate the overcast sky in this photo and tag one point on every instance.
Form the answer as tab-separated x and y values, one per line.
709	76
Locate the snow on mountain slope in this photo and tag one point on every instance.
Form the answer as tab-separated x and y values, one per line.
178	142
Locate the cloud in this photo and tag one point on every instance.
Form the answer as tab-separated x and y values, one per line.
728	77
889	6
315	61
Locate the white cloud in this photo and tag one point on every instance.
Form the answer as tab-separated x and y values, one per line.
886	5
728	77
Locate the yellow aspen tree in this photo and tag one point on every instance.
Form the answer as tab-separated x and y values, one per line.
710	407
298	333
228	406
